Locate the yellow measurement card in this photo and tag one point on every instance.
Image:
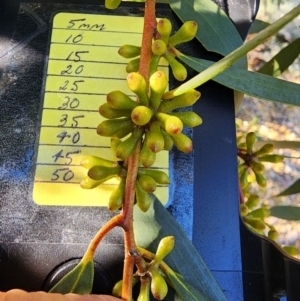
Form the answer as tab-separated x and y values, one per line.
83	66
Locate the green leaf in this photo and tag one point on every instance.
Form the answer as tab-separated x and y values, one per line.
238	53
278	144
216	32
78	281
257	26
156	223
185	290
251	83
281	61
293	189
290	213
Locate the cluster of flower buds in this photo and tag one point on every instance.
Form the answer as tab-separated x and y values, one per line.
153	280
162	46
151	119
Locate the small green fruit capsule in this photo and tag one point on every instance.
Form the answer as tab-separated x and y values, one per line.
159	287
257	167
144	294
147	157
266	149
109	128
143	199
114	142
133	65
108	112
255	223
164	28
158	83
141	115
120	101
88	183
168	141
147	183
260	213
155	141
124	131
273	234
253	201
178	70
243	210
271	158
126	148
112	4
129	51
159	176
183	143
159	47
244	177
117	289
137	84
99	173
171	124
185	33
260	179
116	198
90	161
181	101
165	246
291	250
250	139
190	119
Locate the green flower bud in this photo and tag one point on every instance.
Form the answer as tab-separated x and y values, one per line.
190	119
109	128
164	28
181	101
273	234
291	250
253	201
159	47
178	70
158	83
137	84
243	210
133	65
129	51
266	149
260	179
183	143
147	183
141	115
124	131
144	294
120	101
147	157
112	4
116	198
260	213
271	158
165	246
143	199
159	287
257	167
90	161
114	142
168	141
99	173
88	183
159	176
185	33
154	139
171	124
126	148
255	223
108	112
250	139
117	289
244	177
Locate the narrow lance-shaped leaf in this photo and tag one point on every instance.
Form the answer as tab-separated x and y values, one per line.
281	61
293	189
217	32
290	213
228	61
77	281
251	83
